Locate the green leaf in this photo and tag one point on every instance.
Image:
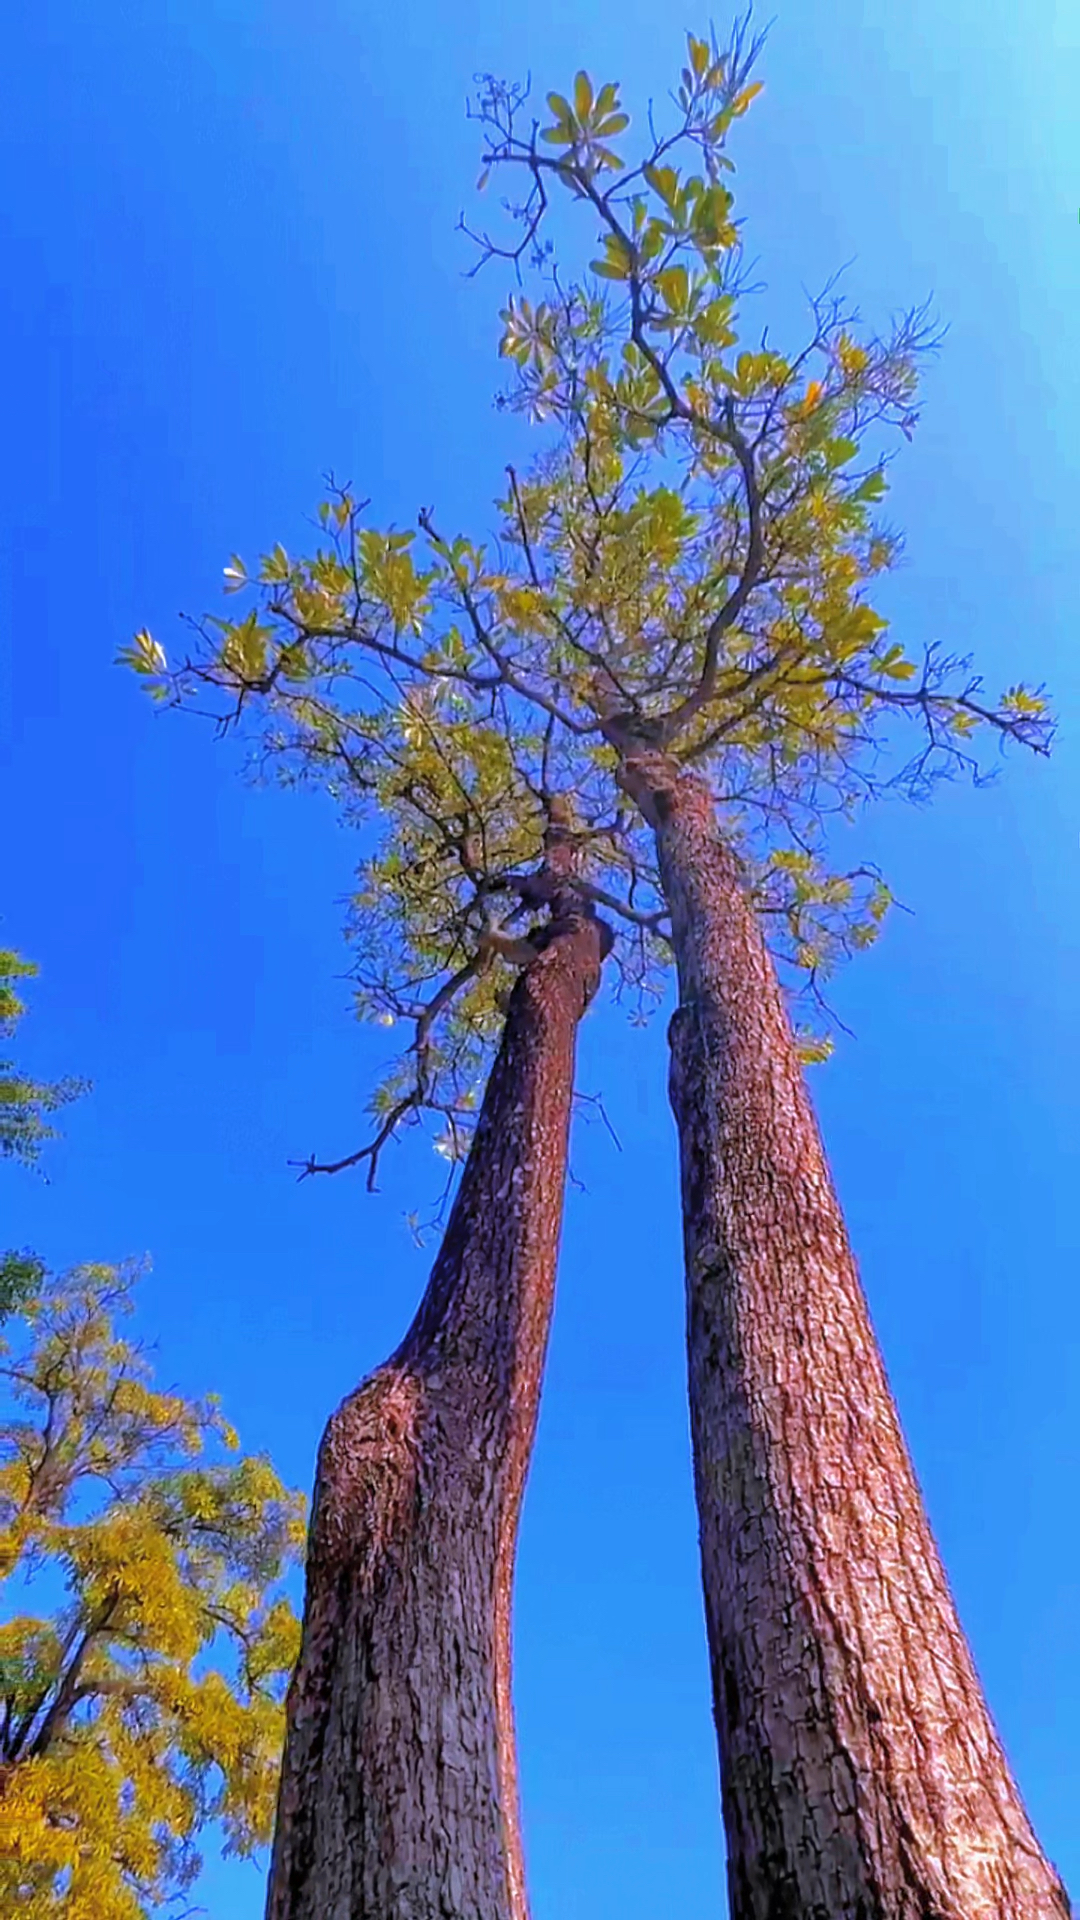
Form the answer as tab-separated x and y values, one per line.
744	99
698	51
712	325
664	181
711	216
873	488
145	655
616	262
243	651
893	664
651	244
674	286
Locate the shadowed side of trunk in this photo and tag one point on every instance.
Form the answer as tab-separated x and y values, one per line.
862	1776
398	1797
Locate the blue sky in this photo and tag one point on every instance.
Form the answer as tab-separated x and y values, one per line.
230	264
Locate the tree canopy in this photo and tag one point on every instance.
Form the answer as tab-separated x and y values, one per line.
141	1688
690	558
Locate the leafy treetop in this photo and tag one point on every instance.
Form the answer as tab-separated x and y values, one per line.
689	561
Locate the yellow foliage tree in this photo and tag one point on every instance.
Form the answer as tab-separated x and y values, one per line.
146	1638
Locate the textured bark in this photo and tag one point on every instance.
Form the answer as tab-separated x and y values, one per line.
398	1798
861	1773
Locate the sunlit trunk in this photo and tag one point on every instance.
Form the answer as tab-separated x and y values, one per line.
399	1796
861	1773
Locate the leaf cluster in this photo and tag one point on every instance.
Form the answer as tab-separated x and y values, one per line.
25	1103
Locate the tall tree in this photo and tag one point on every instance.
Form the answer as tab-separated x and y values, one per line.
673	625
146	1639
862	1775
399	1785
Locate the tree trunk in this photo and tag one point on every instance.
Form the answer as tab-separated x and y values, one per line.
862	1776
398	1798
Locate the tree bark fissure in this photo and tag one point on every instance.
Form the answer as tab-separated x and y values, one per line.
862	1777
398	1798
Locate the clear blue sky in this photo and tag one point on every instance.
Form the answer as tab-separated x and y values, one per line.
230	263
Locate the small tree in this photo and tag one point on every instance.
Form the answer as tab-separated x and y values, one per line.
673	625
146	1643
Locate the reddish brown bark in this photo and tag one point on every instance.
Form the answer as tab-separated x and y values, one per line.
861	1773
398	1798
